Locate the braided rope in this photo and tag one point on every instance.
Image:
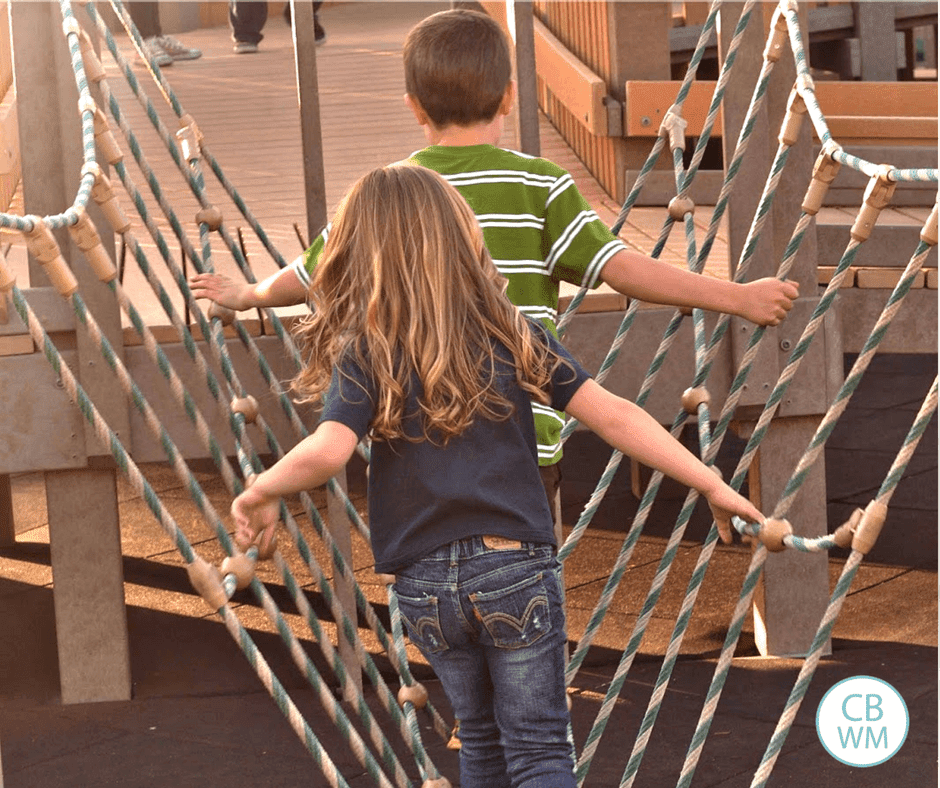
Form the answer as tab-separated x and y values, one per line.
139	484
807	670
796	479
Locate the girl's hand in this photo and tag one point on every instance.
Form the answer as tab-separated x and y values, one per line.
725	503
254	513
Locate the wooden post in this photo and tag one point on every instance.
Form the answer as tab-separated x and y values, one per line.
794	588
519	16
314	180
91	624
7	526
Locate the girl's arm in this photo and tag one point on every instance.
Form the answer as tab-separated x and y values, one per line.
282	288
629	428
312	462
763	301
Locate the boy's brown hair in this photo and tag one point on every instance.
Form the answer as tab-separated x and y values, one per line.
458	66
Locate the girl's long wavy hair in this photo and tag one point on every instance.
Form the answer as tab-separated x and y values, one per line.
406	284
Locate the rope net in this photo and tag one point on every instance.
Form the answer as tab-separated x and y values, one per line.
405	714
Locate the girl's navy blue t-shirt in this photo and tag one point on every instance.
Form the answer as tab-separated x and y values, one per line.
485	481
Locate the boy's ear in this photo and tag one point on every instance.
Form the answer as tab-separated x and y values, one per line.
417	110
505	106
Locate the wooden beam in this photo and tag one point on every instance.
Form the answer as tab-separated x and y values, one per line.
577	87
898	111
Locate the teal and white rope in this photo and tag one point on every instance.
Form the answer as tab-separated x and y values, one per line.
807	670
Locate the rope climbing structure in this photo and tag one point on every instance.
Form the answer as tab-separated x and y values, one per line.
384	733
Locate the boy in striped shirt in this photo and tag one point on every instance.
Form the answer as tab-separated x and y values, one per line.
537	227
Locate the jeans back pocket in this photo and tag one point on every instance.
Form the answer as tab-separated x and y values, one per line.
515	616
423	622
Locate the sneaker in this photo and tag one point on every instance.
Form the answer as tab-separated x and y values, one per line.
245	47
176	49
155	52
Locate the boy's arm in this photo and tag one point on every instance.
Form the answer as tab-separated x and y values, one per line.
312	462
763	301
282	288
629	428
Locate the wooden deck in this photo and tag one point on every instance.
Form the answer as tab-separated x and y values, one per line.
247	109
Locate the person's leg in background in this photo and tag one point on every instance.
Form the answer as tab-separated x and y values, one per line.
319	34
247	20
162	49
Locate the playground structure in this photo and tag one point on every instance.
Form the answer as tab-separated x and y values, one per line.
70	472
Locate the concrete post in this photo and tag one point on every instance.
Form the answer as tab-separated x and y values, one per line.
312	143
794	590
85	541
874	25
7	526
519	16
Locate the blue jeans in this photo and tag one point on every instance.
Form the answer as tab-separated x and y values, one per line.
491	624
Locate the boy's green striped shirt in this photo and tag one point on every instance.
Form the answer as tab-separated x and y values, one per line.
539	230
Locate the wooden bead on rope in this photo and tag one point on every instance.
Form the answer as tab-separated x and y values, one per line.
104	139
247	407
86	238
94	71
103	194
680	206
437	782
846	532
242	567
878	195
415	694
929	234
223	313
772	532
824	173
207	580
693	397
777	41
793	120
869	526
210	216
43	246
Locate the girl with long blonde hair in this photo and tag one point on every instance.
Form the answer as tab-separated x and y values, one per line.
413	342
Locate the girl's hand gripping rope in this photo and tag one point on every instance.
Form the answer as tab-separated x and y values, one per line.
255	513
725	503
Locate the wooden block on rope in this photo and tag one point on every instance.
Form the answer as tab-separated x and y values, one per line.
931	279
885	278
825	273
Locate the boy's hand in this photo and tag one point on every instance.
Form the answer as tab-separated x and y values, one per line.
767	301
222	289
725	503
254	513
